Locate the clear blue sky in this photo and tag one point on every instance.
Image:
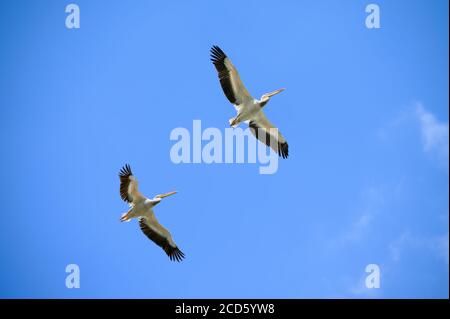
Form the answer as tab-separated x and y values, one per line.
365	113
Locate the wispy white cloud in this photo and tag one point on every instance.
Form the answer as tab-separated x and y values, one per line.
358	289
357	228
396	247
434	133
372	200
441	247
438	245
435	138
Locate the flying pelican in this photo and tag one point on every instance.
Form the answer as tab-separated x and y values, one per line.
248	109
141	207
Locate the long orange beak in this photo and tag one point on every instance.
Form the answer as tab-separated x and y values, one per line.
167	194
275	92
125	218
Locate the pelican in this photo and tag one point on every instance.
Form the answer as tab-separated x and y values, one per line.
248	109
141	207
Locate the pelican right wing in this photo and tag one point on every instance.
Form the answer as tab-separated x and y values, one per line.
261	127
160	236
229	78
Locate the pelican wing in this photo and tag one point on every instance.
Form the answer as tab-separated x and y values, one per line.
129	186
160	236
229	78
261	129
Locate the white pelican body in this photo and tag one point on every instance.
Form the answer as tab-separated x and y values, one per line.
142	207
248	109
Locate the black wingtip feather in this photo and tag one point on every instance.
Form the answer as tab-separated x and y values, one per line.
125	171
124	175
283	150
217	55
176	255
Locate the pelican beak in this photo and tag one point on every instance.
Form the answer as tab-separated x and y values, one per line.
125	218
275	92
167	194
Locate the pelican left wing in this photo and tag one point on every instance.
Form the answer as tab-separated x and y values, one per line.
129	186
161	236
261	129
230	80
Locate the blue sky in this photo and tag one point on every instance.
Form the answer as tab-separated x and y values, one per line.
365	113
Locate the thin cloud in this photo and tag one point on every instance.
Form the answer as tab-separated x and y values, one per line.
434	134
359	289
438	245
358	228
372	200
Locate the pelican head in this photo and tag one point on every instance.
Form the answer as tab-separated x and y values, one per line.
266	97
161	196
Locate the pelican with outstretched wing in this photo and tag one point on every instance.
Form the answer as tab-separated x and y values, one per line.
248	109
142	207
